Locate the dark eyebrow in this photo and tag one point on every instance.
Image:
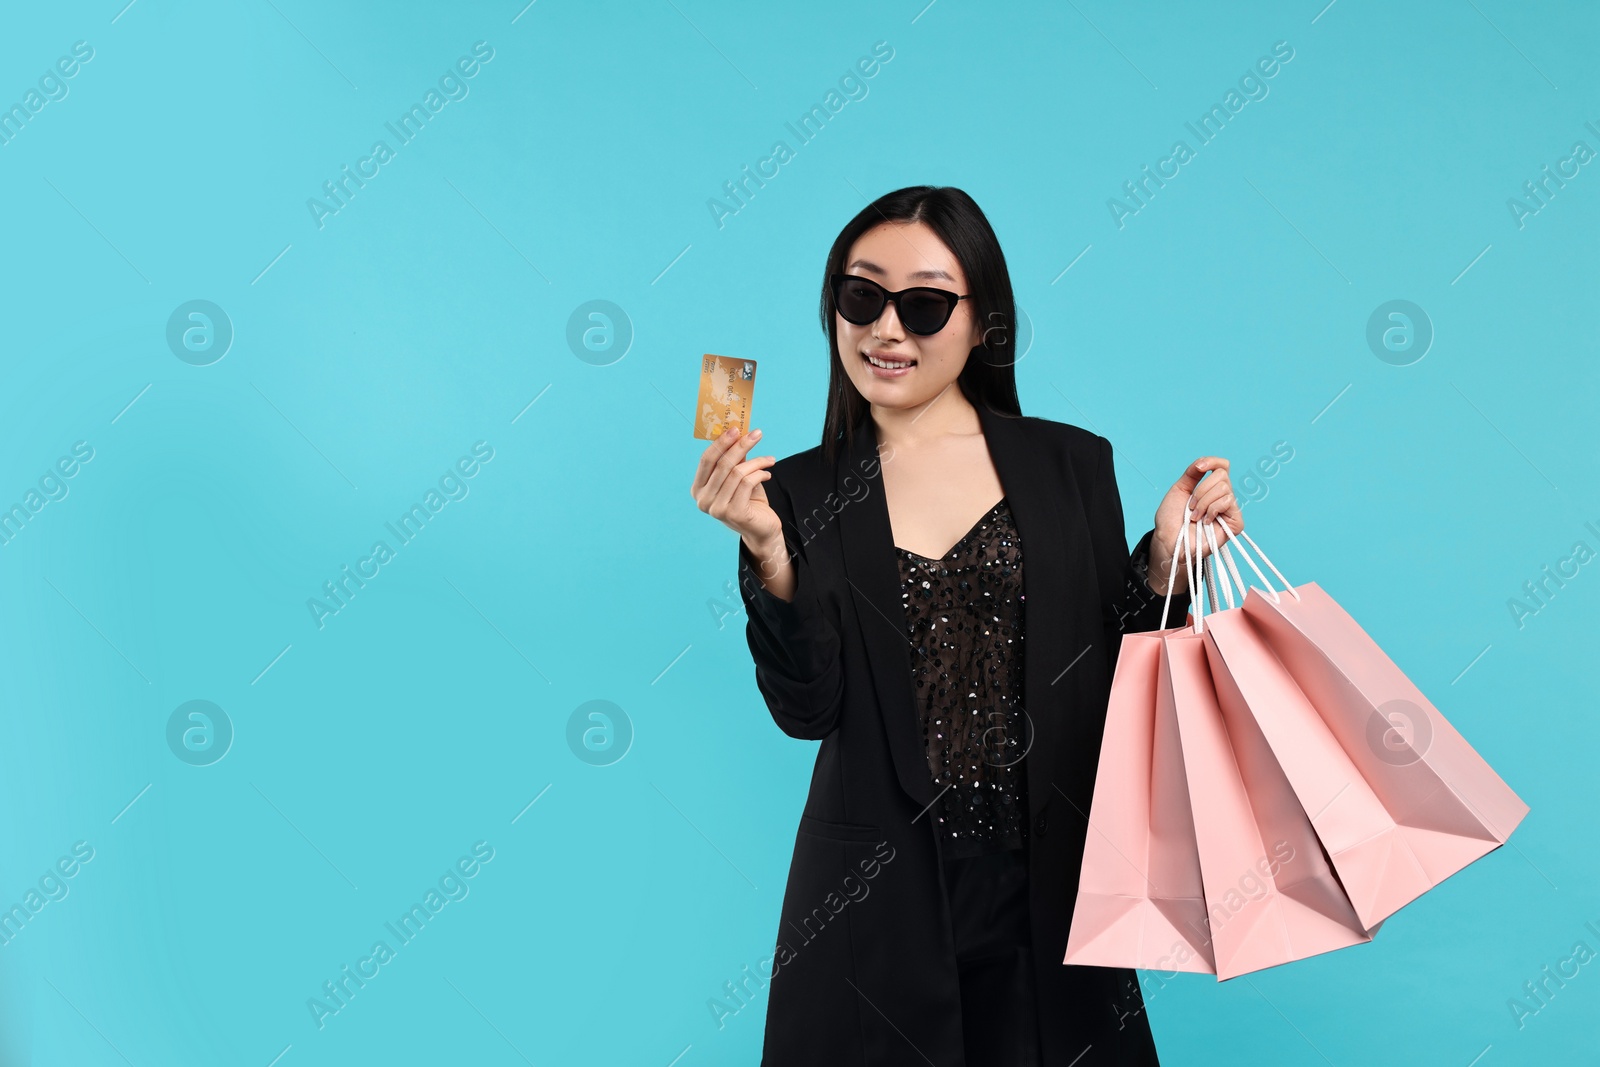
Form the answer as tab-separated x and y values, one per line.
867	265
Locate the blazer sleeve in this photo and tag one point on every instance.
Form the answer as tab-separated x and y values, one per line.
795	646
1128	604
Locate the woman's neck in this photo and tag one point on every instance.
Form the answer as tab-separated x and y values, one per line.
950	412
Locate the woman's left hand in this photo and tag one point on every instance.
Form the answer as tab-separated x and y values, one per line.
1208	491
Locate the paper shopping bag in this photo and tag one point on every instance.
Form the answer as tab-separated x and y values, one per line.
1271	896
1140	902
1398	797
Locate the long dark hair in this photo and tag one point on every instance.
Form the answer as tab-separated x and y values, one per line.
989	378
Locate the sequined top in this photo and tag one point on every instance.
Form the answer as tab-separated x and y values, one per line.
964	619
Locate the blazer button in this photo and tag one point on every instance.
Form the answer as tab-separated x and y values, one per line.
1039	825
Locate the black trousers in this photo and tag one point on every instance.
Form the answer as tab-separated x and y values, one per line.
988	897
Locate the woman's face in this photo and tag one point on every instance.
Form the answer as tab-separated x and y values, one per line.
900	255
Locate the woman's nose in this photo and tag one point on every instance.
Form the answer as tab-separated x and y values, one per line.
888	327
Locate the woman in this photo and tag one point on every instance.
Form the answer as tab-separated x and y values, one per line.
959	692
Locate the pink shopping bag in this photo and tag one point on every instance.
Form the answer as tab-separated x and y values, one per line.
1271	896
1398	797
1140	899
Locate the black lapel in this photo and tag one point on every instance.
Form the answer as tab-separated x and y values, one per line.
1037	487
874	577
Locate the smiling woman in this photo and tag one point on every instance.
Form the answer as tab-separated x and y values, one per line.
894	634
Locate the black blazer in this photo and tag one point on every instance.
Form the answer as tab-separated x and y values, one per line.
864	968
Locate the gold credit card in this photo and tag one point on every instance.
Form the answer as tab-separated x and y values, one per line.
727	388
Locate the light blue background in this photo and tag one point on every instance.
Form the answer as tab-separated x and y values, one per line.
1228	315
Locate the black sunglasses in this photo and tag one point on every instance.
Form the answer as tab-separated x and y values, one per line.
922	310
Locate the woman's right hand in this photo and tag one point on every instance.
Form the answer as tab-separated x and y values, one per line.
728	488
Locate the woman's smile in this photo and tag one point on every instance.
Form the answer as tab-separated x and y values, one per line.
886	364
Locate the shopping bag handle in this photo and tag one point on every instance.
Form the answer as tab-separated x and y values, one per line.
1172	568
1204	589
1222	578
1200	591
1230	538
1191	568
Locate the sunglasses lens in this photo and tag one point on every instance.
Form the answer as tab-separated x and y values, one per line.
859	301
924	313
